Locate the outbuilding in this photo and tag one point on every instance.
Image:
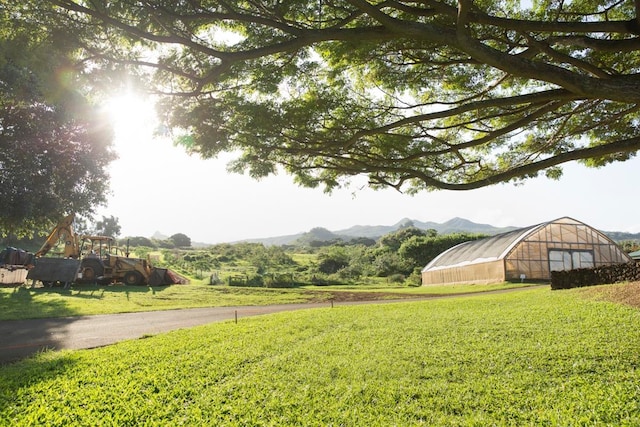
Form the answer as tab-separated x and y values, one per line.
530	254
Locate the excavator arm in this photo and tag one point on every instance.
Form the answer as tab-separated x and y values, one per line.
63	231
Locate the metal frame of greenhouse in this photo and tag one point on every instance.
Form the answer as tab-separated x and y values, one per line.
526	254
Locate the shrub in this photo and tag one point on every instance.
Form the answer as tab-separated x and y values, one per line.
595	276
396	278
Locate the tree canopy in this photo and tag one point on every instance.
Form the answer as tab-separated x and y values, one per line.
54	146
181	240
429	94
107	226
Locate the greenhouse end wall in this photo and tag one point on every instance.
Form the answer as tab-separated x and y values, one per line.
481	273
525	255
581	246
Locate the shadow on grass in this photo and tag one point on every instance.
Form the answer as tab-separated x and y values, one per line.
26	302
89	290
23	303
46	314
99	291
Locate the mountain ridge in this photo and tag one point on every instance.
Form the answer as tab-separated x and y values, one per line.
454	225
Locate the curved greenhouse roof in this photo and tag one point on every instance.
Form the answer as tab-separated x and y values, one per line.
527	253
483	250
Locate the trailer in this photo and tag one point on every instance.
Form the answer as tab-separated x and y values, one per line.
14	265
13	274
55	271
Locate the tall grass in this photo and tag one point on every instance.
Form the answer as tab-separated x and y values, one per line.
528	358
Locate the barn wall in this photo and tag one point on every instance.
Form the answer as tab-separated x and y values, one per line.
486	272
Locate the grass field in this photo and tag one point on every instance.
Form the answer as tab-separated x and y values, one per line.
30	303
529	358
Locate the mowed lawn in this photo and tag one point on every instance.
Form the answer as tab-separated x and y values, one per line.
529	358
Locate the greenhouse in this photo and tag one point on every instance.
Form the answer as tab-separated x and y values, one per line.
526	254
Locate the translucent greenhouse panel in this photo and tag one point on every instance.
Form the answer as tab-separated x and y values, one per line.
538	270
582	259
539	251
606	255
559	260
531	269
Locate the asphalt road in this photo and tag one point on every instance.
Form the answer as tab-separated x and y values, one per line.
22	338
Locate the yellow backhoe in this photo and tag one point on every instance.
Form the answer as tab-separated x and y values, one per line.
93	259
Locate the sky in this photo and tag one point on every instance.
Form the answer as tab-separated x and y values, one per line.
157	187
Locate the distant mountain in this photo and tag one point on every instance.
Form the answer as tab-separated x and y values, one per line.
620	236
455	225
159	236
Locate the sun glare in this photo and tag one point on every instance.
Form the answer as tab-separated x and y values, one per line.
132	115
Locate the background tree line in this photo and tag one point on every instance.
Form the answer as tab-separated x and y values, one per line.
106	226
396	257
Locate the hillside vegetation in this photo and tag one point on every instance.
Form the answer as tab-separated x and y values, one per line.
528	358
396	258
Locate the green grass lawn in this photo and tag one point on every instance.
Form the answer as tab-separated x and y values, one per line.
529	358
30	303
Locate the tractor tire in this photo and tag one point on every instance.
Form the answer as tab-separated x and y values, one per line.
91	270
132	278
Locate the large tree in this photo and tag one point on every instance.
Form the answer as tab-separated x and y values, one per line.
415	94
54	146
181	240
108	226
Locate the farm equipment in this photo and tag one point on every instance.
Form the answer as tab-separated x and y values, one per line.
14	265
94	259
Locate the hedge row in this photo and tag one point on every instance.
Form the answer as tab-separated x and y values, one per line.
262	281
595	276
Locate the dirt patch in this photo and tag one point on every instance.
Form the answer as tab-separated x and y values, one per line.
621	293
346	296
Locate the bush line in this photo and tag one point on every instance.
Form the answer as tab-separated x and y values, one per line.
629	272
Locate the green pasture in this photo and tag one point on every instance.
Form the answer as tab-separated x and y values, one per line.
30	303
530	358
25	302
